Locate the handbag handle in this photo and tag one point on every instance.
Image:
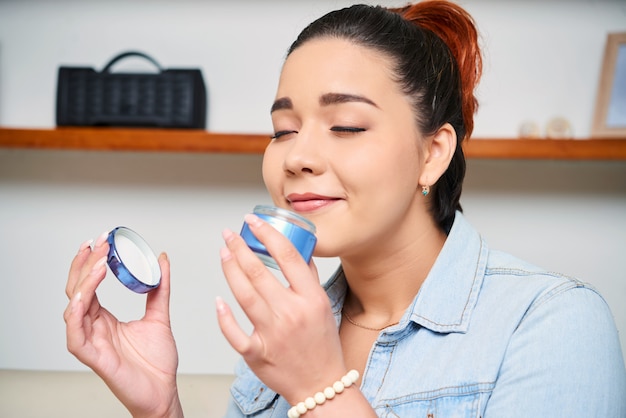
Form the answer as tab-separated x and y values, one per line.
123	55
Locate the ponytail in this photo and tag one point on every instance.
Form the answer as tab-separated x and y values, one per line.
457	29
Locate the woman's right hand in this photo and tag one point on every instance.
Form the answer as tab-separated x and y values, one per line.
138	359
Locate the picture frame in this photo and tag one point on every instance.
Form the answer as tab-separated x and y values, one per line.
610	111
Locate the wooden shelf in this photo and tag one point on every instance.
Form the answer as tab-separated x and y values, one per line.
131	139
168	140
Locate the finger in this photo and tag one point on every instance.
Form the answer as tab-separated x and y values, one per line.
231	330
75	268
258	273
100	249
75	331
297	272
88	285
245	282
92	273
158	300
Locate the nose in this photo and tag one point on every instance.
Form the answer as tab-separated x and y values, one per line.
305	155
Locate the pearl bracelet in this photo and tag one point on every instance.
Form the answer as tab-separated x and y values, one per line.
320	397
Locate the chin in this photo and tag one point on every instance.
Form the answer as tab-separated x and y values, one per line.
323	251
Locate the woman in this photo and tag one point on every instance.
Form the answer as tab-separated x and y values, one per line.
371	109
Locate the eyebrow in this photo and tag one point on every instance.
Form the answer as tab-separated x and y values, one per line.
285	103
338	98
281	104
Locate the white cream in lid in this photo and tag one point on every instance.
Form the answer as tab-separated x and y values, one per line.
132	260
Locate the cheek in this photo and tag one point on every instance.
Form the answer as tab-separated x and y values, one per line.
389	171
271	170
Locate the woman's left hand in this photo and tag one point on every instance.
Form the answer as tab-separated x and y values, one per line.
294	347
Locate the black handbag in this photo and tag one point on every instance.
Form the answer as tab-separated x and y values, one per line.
169	98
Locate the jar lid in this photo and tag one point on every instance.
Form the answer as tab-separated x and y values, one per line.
132	260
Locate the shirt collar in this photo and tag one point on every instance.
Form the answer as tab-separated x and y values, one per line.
448	296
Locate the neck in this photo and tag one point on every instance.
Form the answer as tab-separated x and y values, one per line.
382	285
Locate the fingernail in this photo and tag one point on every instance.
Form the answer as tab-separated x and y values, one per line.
225	254
252	220
220	305
99	264
227	235
102	239
85	245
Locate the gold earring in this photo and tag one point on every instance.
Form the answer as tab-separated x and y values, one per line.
425	190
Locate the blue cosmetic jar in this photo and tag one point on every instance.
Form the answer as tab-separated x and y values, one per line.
132	260
299	230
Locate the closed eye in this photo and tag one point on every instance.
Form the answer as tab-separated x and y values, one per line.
346	129
282	133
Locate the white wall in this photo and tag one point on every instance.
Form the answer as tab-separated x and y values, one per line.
542	60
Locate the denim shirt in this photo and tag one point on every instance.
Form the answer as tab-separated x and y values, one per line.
487	335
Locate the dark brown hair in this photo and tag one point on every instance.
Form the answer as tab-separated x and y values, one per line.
433	46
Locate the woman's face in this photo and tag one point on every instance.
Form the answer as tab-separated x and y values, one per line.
346	153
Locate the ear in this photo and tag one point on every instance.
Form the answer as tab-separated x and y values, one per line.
438	152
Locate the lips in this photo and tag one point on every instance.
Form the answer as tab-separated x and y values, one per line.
308	202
